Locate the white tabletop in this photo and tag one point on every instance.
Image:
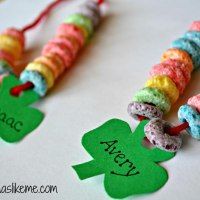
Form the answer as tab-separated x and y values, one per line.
99	87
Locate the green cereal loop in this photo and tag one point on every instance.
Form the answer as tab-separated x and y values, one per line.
82	22
154	96
5	67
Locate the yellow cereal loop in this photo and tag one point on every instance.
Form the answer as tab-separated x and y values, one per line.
43	70
165	84
179	55
11	45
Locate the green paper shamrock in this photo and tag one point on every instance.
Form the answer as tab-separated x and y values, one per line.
129	167
17	119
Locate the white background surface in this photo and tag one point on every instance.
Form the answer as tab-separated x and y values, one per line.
99	87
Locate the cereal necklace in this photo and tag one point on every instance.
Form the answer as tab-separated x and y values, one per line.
12	42
129	166
16	117
60	52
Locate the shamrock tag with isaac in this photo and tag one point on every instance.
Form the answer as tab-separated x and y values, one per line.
129	167
17	119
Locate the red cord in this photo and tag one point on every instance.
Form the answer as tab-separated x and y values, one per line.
176	130
44	13
140	117
16	91
100	2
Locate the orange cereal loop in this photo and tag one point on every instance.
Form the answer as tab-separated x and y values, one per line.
179	55
58	62
50	62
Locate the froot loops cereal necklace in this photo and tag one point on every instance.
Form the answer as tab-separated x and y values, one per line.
59	53
129	166
16	117
12	42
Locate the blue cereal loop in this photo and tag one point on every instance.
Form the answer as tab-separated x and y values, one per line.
40	86
189	46
5	67
194	36
190	115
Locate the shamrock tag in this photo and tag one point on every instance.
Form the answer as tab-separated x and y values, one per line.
129	167
17	119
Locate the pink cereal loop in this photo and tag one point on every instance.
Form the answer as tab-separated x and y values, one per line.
195	102
175	70
59	50
195	26
68	54
182	66
7	57
70	29
66	43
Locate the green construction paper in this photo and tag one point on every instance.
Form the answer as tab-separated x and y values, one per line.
17	119
129	167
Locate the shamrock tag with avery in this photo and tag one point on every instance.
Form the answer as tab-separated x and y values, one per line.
129	167
17	119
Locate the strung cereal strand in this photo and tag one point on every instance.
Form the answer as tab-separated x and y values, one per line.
168	80
172	75
12	42
60	52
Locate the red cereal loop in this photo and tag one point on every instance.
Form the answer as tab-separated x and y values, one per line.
195	26
195	102
176	70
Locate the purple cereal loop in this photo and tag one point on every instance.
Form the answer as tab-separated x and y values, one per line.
91	10
154	131
149	111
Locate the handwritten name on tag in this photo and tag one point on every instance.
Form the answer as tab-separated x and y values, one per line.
17	118
120	159
129	167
